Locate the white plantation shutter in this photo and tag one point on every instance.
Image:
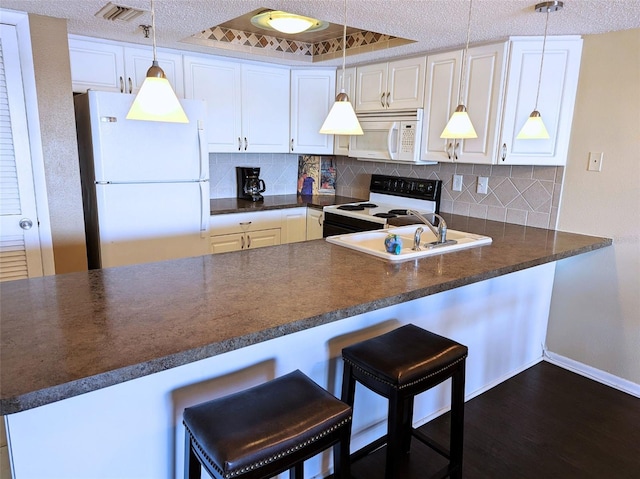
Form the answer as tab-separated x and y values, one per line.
19	248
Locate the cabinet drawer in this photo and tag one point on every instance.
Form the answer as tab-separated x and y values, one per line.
242	222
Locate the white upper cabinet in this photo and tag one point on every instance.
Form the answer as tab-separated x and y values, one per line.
313	93
396	85
109	66
247	104
341	142
558	87
482	90
499	92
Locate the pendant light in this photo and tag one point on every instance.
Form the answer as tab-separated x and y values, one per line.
459	125
534	128
342	120
156	100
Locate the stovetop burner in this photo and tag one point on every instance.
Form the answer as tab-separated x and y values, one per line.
398	212
357	207
385	215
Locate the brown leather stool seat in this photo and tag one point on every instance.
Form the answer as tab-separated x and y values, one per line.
399	365
265	430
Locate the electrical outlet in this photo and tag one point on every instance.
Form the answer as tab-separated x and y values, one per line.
595	161
457	183
483	185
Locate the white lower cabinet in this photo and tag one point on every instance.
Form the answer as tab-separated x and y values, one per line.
240	231
294	225
240	241
315	220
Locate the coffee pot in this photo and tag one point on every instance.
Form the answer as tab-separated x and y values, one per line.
250	186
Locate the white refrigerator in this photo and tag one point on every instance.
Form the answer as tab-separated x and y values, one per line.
145	184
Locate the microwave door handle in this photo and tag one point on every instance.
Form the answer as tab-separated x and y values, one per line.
391	142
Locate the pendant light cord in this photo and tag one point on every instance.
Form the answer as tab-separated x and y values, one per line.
544	44
153	30
344	44
464	57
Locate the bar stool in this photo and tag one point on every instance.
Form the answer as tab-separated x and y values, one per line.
265	430
399	365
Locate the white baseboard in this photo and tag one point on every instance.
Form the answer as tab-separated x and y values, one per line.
593	373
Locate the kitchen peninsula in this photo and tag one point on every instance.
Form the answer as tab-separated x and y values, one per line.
97	367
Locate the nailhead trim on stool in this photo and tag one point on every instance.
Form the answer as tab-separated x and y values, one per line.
399	365
270	428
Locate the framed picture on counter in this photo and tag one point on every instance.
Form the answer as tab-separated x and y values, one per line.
316	175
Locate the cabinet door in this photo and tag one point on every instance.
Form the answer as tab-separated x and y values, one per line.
265	109
441	99
405	84
138	60
371	87
294	225
226	243
341	142
314	223
313	93
555	104
262	238
96	66
484	86
218	83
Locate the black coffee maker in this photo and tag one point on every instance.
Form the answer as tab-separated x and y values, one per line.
249	183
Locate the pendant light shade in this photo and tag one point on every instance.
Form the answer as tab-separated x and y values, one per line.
459	125
342	119
156	100
534	128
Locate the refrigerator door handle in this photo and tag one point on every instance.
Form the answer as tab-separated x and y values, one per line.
203	149
204	208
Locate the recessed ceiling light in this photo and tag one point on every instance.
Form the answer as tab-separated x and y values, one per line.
287	22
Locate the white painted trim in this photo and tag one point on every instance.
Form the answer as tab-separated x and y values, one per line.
21	22
590	372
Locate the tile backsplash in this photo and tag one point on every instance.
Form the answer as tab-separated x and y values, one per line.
278	170
524	195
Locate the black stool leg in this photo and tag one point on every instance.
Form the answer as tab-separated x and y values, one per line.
192	467
407	424
341	459
395	435
457	420
348	385
297	471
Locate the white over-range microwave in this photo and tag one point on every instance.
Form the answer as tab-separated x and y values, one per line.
388	136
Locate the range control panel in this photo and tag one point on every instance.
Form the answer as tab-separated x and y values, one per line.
418	188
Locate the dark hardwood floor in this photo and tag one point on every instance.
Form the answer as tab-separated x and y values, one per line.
546	422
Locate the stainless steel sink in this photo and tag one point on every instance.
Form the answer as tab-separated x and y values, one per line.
372	242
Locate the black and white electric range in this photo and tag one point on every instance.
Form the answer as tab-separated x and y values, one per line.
389	197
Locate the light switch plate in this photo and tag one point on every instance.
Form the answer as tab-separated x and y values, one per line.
483	185
595	161
457	183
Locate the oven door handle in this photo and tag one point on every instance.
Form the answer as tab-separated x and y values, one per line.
391	142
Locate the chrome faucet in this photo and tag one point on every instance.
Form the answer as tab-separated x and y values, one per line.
440	232
416	238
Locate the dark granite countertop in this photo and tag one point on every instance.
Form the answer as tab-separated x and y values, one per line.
68	334
276	202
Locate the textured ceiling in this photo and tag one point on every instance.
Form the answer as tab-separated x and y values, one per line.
433	24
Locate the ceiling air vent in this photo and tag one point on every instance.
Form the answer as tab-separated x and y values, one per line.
118	12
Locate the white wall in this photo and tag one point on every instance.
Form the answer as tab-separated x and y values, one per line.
595	309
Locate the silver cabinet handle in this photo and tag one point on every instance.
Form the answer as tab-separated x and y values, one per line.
130	85
245	143
291	144
244	223
455	150
388	95
320	220
26	223
121	85
248	241
504	151
447	150
382	100
242	242
239	143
